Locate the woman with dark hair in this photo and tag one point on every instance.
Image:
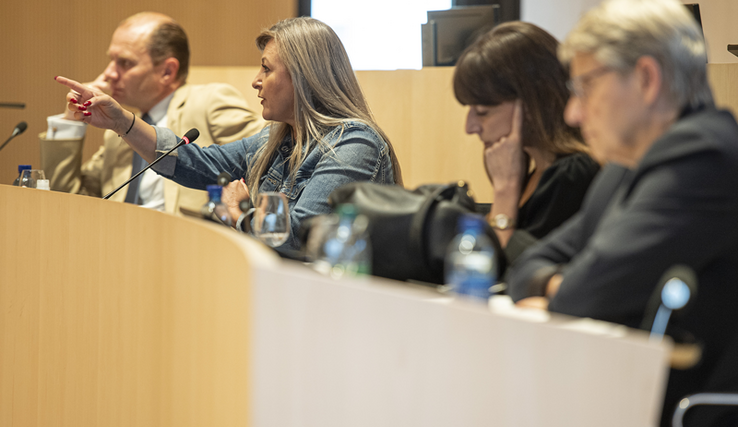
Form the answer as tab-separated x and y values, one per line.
540	169
322	133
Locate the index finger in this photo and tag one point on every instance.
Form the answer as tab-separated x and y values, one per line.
75	86
517	119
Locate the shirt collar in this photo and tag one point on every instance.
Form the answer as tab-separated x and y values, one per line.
159	111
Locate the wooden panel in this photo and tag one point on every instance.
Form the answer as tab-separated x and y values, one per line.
43	38
113	315
420	114
724	81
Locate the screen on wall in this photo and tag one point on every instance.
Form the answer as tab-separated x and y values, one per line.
378	34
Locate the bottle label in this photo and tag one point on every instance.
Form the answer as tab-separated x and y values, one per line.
474	285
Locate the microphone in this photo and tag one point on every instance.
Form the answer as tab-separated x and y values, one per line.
224	179
676	289
19	129
18	105
188	137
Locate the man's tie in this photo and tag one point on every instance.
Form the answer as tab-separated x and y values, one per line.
138	164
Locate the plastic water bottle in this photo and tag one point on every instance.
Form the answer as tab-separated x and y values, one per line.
214	209
346	250
21	168
470	265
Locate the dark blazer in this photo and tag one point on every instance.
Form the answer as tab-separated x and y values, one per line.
678	206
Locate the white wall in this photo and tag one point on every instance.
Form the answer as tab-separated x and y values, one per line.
719	20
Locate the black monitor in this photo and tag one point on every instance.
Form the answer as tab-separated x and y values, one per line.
449	32
694	9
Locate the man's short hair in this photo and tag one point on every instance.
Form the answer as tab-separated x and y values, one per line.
169	40
619	32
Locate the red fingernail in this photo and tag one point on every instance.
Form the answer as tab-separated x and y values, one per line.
243	180
73	101
87	113
56	77
88	103
82	108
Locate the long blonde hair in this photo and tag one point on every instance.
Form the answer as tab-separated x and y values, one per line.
327	93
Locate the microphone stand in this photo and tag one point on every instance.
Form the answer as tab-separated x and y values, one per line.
181	143
16	132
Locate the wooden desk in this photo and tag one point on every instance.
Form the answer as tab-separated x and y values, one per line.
210	329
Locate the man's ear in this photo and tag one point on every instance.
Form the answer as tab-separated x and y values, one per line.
650	78
170	67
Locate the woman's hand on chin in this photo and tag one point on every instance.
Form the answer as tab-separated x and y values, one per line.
505	159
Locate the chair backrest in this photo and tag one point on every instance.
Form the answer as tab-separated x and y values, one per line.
721	391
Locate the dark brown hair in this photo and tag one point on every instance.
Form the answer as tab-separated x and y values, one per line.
167	41
517	60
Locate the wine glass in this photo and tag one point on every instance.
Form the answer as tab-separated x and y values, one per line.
272	219
29	177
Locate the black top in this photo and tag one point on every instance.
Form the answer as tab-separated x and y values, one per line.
557	197
678	206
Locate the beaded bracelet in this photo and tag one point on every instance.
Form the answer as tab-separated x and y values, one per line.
129	129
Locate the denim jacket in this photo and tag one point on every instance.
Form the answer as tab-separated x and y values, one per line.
358	154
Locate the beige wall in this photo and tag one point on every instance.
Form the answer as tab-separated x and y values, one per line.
43	38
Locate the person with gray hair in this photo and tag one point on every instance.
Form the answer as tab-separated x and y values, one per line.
321	132
640	94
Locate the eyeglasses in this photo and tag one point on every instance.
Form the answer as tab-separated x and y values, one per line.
577	84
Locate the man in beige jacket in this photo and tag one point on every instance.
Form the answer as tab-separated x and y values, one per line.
149	62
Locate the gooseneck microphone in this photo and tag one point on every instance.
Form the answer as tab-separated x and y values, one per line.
677	287
19	129
18	105
188	137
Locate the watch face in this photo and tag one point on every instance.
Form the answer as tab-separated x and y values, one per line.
502	222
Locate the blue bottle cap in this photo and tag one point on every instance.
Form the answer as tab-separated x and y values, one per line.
21	168
214	192
471	222
347	210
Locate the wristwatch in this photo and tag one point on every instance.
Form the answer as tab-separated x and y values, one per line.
502	222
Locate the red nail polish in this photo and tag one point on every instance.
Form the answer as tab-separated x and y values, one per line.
56	77
73	101
88	103
82	108
87	113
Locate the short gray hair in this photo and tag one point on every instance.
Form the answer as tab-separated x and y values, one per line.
619	32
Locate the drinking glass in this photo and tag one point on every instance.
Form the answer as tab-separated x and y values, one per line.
272	219
29	177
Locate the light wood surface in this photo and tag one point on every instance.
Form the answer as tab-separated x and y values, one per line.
115	315
724	82
208	329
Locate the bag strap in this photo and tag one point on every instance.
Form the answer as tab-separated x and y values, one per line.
417	239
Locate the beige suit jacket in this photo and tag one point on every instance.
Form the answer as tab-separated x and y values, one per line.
217	110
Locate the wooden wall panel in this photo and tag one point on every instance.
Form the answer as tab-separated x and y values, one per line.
43	38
